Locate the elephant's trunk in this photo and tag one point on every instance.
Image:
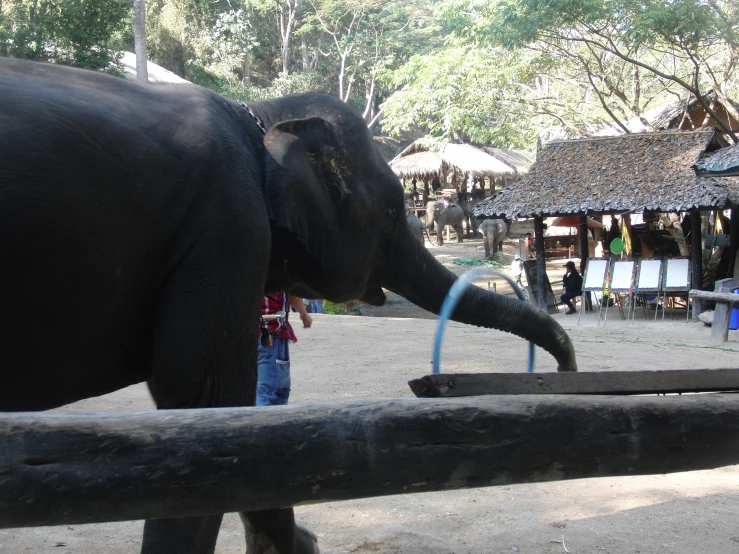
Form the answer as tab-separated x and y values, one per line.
419	277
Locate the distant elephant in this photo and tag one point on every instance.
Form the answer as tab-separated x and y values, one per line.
142	225
494	231
414	224
434	209
453	217
472	223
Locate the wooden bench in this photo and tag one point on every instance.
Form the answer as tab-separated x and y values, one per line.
722	314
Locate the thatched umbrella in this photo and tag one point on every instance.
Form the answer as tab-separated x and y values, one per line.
420	162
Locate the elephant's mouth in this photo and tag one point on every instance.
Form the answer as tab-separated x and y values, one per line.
374	296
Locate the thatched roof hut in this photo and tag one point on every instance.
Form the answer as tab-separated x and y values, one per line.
723	162
628	173
689	114
420	162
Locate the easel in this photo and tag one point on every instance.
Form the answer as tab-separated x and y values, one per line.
622	281
596	273
648	279
677	279
529	266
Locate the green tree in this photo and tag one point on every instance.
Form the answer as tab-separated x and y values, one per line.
687	44
83	33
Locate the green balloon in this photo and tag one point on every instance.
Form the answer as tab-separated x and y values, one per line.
617	245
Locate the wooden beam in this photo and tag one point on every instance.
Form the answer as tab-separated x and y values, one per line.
696	259
602	382
70	468
734	241
716	296
541	266
583	235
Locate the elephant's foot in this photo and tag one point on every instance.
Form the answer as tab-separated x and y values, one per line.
194	535
275	532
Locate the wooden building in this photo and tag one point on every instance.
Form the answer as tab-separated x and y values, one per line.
636	173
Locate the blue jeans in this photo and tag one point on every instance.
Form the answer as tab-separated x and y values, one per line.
273	381
316	306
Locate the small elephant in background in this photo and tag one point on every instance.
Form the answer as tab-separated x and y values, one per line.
453	216
493	232
414	224
434	209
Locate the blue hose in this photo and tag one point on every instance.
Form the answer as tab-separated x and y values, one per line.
452	299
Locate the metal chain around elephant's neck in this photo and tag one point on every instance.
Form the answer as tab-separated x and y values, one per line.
255	117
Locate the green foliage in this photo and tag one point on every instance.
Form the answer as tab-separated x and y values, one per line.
480	262
82	33
461	93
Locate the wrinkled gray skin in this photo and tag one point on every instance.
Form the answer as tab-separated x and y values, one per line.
433	210
453	217
140	227
472	223
414	225
493	231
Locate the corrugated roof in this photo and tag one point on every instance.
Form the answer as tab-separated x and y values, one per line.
419	161
629	173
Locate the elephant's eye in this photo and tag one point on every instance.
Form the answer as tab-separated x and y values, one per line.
391	213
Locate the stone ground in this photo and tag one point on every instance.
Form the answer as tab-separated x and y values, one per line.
348	357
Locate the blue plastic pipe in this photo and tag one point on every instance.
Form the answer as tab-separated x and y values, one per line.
452	299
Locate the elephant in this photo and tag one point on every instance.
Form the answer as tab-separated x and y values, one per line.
451	216
471	222
414	224
142	225
494	231
434	209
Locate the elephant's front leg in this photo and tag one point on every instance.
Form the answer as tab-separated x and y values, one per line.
205	356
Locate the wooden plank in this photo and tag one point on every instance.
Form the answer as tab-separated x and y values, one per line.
717	296
70	468
602	382
721	320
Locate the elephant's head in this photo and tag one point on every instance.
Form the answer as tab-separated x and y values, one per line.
339	226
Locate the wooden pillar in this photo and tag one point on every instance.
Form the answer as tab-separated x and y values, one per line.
734	241
425	190
696	259
584	251
584	254
541	266
505	181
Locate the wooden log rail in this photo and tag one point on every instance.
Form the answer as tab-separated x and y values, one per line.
722	313
70	468
580	382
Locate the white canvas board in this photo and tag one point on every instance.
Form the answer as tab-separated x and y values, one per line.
623	273
595	274
649	274
677	273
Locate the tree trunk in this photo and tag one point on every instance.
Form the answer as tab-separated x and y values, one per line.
247	69
671	221
139	36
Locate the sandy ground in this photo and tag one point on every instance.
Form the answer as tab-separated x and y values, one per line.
344	357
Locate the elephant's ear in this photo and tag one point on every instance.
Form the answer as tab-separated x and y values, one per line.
303	184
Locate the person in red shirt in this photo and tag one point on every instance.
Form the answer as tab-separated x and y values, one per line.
273	381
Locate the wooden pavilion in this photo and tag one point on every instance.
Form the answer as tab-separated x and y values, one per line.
635	173
462	161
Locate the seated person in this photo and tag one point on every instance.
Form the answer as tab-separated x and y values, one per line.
572	285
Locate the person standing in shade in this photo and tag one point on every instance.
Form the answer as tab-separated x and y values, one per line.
273	380
517	269
573	286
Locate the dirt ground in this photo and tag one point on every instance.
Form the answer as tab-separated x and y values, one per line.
346	357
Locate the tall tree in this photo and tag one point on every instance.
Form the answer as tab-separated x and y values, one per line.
685	43
139	34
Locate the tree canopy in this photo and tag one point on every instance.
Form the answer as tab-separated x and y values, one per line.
490	72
